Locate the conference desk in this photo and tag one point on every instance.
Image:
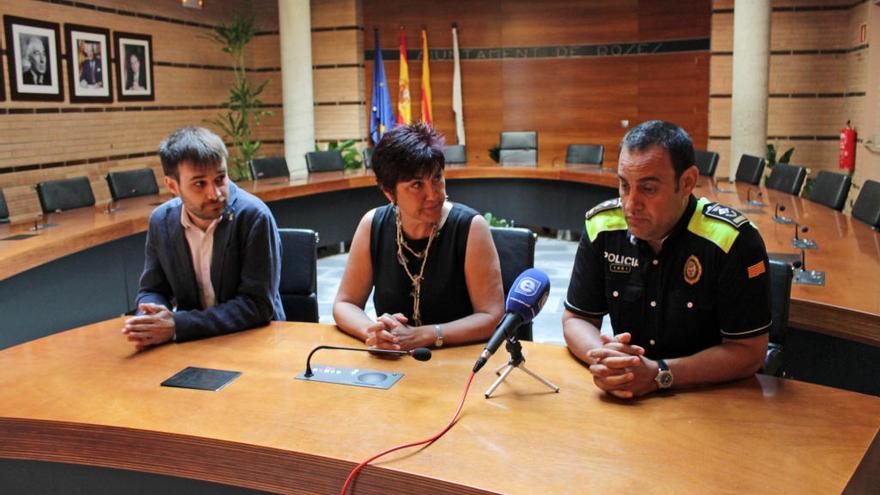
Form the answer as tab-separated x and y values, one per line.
84	397
42	278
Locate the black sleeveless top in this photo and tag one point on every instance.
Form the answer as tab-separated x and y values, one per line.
444	295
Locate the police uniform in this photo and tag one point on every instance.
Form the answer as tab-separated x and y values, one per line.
709	281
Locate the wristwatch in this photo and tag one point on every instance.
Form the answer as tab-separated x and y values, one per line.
438	336
664	375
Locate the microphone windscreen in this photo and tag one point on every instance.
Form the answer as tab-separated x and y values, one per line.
421	354
528	294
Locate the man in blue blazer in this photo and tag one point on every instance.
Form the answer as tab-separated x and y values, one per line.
213	254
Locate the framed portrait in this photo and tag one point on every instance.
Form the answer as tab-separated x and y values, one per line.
88	64
134	66
2	82
33	49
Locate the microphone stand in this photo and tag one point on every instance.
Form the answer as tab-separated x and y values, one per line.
516	361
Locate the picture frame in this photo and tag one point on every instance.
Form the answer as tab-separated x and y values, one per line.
2	80
34	53
134	66
88	64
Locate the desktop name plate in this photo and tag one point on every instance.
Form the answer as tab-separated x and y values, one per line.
351	376
201	378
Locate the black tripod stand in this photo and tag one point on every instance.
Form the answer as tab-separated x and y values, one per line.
516	361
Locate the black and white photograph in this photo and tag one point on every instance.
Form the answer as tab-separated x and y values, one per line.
34	48
134	66
88	59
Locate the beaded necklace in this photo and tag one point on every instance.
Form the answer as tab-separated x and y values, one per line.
416	280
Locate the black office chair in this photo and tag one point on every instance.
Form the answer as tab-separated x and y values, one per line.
867	206
706	162
455	153
786	178
265	168
132	183
368	157
4	210
750	169
590	154
65	194
299	274
516	252
830	189
518	148
324	161
780	299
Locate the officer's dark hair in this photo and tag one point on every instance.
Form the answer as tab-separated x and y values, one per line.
668	136
196	145
407	152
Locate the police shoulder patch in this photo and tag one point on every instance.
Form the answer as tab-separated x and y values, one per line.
611	204
725	214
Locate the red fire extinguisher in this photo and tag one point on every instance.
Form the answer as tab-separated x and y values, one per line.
848	148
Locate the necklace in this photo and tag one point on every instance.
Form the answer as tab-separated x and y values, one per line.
416	280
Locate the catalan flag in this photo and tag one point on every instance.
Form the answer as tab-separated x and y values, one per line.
427	112
757	269
404	106
381	113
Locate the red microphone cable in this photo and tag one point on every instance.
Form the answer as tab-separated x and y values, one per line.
360	466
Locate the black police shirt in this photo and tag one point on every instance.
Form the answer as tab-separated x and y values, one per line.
709	282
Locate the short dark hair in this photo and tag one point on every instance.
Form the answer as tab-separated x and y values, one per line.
407	152
668	136
196	145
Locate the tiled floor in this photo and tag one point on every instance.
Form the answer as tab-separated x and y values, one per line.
553	256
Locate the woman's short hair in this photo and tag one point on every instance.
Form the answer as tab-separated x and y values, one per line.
407	152
196	145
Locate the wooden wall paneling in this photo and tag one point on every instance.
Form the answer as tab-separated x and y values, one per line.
335	13
672	20
722	147
338	122
264	52
561	22
675	87
336	47
856	64
479	23
181	86
824	73
809	30
722	32
272	92
338	85
805	116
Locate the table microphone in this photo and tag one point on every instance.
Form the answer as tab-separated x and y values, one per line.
526	298
419	354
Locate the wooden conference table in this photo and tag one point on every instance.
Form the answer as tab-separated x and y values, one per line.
848	306
85	397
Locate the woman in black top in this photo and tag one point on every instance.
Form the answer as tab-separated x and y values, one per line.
433	264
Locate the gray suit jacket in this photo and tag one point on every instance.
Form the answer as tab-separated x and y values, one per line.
245	269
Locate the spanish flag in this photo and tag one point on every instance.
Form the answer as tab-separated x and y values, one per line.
427	112
404	107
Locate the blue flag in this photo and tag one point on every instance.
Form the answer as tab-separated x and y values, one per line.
381	113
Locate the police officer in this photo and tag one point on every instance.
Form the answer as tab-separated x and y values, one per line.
685	281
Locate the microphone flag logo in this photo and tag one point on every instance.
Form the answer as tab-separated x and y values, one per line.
528	286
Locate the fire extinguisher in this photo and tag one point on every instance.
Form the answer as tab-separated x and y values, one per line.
848	148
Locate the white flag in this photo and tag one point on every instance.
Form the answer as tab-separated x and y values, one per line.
456	89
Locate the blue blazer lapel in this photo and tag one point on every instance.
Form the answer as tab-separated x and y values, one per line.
223	235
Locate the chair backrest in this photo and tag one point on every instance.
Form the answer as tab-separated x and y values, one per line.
750	169
585	153
780	300
324	161
516	252
867	206
518	148
786	178
132	183
65	194
299	274
368	157
455	153
4	210
264	168
831	189
706	162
